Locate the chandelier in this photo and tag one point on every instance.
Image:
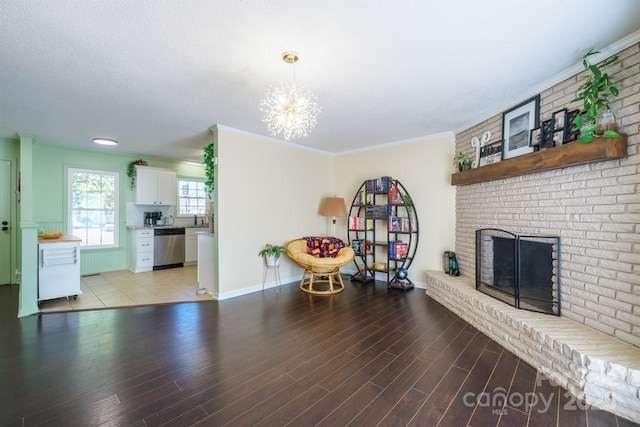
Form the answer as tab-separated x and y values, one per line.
288	109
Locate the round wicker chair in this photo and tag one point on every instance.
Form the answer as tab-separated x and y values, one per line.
323	271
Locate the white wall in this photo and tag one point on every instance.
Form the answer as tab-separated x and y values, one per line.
268	191
423	166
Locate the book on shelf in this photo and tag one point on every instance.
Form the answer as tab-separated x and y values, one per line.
359	245
395	196
378	185
354	223
368	247
398	249
363	198
360	223
402	250
399	224
378	211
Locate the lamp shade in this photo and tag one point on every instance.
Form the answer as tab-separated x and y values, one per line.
333	206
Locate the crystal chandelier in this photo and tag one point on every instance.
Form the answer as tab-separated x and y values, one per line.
288	109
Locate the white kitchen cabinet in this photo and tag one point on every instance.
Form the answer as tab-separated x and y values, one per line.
141	254
191	246
156	186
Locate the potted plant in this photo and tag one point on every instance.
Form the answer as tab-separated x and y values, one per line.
131	171
462	161
271	254
597	119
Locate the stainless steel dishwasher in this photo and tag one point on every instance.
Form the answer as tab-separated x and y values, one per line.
168	248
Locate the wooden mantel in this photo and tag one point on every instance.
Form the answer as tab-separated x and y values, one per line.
571	154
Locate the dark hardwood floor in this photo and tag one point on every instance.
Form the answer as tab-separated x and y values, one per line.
368	356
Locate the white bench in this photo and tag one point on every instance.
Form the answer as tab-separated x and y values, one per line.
598	369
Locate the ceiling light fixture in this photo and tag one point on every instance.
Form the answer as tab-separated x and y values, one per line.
289	109
104	141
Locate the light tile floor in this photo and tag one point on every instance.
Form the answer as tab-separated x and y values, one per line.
124	288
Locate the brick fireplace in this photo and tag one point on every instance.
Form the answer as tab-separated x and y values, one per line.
595	209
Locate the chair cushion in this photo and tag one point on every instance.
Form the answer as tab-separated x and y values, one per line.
297	251
324	247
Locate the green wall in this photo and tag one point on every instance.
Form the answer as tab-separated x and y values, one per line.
51	164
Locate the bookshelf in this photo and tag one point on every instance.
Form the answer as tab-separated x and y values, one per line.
383	232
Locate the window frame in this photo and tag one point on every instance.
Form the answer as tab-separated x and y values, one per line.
205	198
116	206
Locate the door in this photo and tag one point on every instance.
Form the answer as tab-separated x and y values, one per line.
5	222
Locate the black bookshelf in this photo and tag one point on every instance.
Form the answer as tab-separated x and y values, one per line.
383	232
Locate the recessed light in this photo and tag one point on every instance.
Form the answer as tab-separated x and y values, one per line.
104	141
189	162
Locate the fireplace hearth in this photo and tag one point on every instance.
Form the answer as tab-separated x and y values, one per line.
522	271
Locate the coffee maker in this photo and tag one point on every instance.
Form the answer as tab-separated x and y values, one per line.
152	218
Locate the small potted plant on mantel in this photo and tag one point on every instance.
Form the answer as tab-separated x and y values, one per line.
271	254
462	161
597	119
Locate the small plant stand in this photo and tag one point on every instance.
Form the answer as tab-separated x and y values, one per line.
276	269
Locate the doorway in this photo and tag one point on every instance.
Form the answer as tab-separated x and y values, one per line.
5	222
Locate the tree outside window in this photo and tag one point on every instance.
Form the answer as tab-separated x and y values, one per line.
93	207
192	197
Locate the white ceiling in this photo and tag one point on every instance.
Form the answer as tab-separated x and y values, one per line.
156	74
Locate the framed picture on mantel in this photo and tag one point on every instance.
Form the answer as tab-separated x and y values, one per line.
517	124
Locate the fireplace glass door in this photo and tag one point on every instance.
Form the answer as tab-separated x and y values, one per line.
522	271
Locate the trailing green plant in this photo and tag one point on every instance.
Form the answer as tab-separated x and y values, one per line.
272	250
408	203
131	171
594	94
208	157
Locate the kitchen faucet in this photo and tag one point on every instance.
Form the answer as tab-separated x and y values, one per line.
203	221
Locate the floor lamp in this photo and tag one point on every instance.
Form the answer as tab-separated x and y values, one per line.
333	206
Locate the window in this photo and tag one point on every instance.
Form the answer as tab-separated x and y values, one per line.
192	198
93	207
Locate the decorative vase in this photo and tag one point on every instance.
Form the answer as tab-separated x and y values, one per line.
605	121
272	261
